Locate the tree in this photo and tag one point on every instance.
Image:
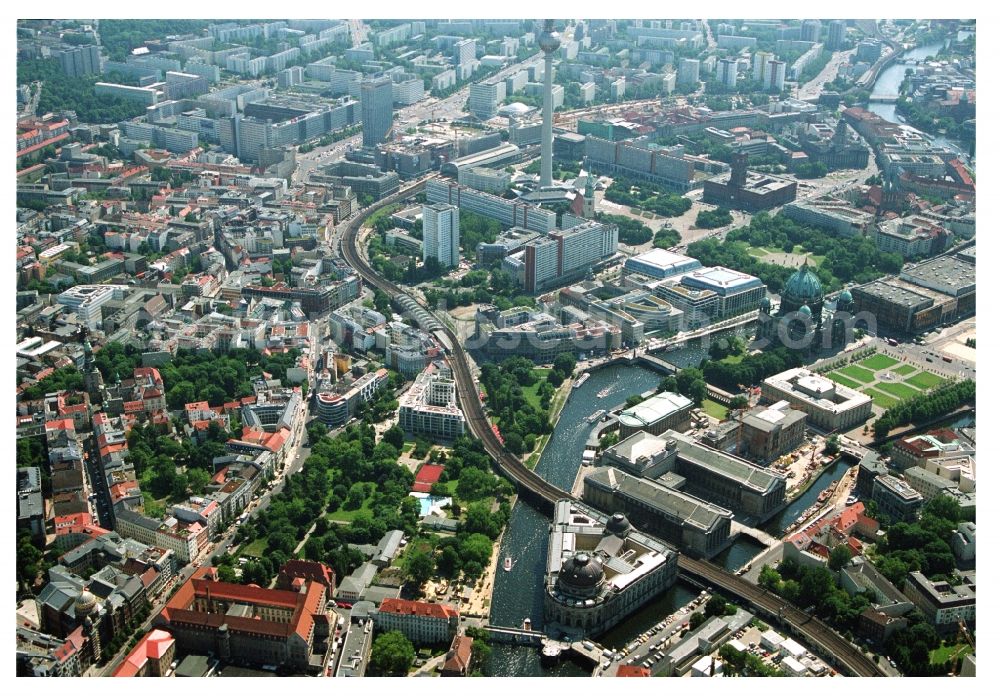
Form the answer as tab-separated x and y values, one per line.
419	567
395	436
633	400
713	219
478	548
733	657
691	384
716	606
515	443
197	480
839	557
392	655
479	519
565	363
832	446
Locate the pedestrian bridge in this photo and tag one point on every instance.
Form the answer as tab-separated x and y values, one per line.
512	635
767	540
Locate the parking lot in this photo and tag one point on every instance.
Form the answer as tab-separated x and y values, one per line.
649	648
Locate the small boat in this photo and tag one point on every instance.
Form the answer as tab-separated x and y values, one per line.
596	415
604	392
526	625
508	564
580	380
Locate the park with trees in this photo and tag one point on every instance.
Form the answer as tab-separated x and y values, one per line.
711	219
841	260
939	401
638	194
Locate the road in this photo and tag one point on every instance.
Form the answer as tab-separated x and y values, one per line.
359	32
811	89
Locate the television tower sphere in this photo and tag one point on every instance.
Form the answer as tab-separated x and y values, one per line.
548	41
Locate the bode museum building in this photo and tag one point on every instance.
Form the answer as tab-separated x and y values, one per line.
600	569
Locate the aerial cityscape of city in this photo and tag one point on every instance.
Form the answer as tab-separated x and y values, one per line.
496	347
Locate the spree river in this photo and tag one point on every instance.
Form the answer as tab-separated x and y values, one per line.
892	77
519	593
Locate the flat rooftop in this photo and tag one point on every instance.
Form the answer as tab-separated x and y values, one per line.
721	279
895	294
948	275
639	444
675	504
741	471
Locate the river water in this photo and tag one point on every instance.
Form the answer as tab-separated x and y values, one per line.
519	593
892	77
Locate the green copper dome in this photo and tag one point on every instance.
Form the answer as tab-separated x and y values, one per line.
806	311
846	298
804	285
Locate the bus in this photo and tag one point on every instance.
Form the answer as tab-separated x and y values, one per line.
892	342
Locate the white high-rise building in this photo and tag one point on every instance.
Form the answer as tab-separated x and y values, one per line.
760	60
725	72
441	233
485	97
774	75
687	71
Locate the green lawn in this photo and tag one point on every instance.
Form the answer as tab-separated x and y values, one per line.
904	369
714	409
879	362
531	393
898	389
253	549
732	359
924	380
340	515
943	654
858	373
845	381
881	398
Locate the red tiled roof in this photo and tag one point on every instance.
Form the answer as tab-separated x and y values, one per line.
459	656
60	425
177	609
312	570
154	645
398	606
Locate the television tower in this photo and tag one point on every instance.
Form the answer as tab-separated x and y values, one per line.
548	41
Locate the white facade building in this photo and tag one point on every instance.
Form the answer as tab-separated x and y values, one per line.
441	233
